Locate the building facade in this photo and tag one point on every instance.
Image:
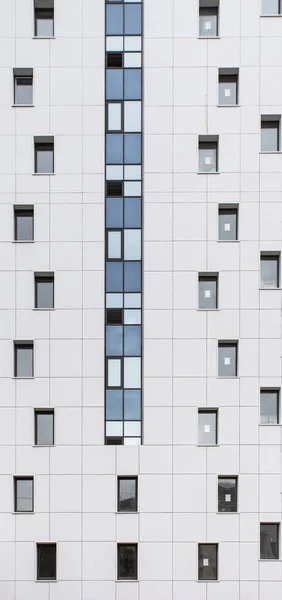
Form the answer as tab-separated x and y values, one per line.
140	299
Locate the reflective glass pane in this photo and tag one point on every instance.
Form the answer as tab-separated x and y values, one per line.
132	340
114	84
133	19
114	148
132	188
44	23
44	429
46	561
44	293
132	373
132	84
132	317
207	157
132	405
269	407
207	561
114	212
114	277
269	541
114	244
132	148
270	7
132	116
132	60
132	428
208	21
227	494
227	360
114	405
127	561
114	341
129	441
270	136
132	244
208	293
24	495
227	224
24	225
132	277
127	494
23	90
269	272
132	300
114	428
114	300
207	427
114	372
114	20
114	116
24	361
132	212
44	160
228	89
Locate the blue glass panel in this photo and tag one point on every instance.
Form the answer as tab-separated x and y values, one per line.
114	278
114	405
114	340
132	340
114	20
132	212
132	405
114	212
132	148
114	84
114	149
132	84
133	19
132	277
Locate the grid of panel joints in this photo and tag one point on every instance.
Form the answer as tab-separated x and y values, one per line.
123	218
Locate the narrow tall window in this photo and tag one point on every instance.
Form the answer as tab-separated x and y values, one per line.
269	407
23	494
269	270
44	154
227	494
269	541
127	494
208	293
270	134
44	18
44	290
228	87
44	427
208	18
127	561
23	359
207	427
227	359
208	155
23	87
207	561
271	7
24	223
228	224
46	562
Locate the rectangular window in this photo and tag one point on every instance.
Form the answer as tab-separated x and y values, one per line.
227	494
44	290
208	156
228	224
46	562
44	155
207	427
127	561
269	541
228	88
127	494
44	18
23	87
270	141
44	427
227	359
24	223
271	7
208	291
208	21
23	359
207	562
23	494
269	407
269	270
114	441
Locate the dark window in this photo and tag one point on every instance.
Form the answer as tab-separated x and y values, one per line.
44	157
46	561
114	441
114	60
269	271
227	494
114	188
228	224
127	561
207	427
271	7
23	488
44	20
24	223
269	541
23	89
207	292
23	358
44	427
227	359
207	565
127	494
228	89
208	17
208	157
114	316
44	291
270	136
269	407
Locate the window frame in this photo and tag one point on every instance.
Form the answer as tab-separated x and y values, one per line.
45	10
43	411
271	123
39	545
39	278
22	211
210	10
236	494
25	77
43	147
21	478
133	545
268	257
200	544
28	346
213	278
127	478
271	391
228	210
278	529
213	411
228	78
206	145
227	343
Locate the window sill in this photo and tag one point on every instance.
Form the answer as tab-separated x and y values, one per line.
208	309
208	445
22	105
127	580
228	105
14	377
270	560
270	151
46	580
269	424
20	512
229	241
269	289
23	241
131	512
43	445
207	173
44	309
227	377
209	37
271	16
43	37
40	174
208	580
227	513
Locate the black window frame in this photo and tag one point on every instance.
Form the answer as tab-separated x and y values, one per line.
228	78
38	13
273	391
122	545
277	525
21	211
18	478
127	478
43	147
222	210
271	124
39	546
268	256
23	345
17	77
201	578
40	278
43	411
208	278
223	504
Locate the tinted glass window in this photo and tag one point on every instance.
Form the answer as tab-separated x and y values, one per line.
44	292
24	495
44	158
114	19
114	277
127	494
207	292
270	7
132	148
133	16
269	407
127	561
227	360
227	494
132	277
269	546
228	89
207	157
132	340
132	212
132	405
23	90
114	340
114	153
114	84
227	224
269	271
24	229
207	427
114	212
270	136
44	22
208	22
114	408
207	561
23	360
46	561
132	84
44	428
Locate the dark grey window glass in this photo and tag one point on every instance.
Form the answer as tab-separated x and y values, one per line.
132	84
44	428
269	271
133	19
227	359
271	7
132	405
44	291
227	494
228	89
44	157
114	84
228	224
132	148
23	90
23	360
207	427
269	407
208	18
24	224
23	494
46	562
207	292
44	22
270	136
114	19
207	561
208	157
269	541
127	561
127	494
